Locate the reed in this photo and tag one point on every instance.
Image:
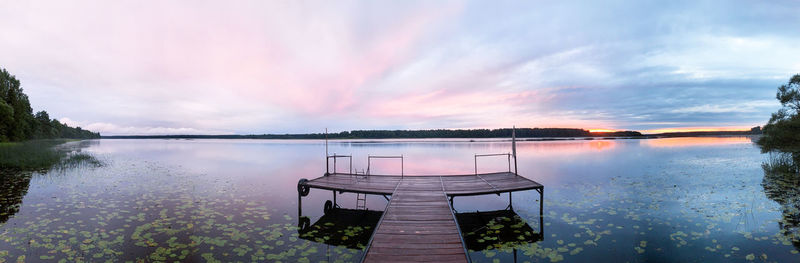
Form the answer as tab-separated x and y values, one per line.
780	163
40	155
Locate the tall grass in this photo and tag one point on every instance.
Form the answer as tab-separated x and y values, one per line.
77	159
780	163
39	155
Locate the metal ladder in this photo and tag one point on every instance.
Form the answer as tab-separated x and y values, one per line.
361	199
360	176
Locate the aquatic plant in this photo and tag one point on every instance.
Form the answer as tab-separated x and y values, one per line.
782	184
40	155
30	155
780	163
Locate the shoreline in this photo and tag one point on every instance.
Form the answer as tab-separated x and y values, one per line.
448	140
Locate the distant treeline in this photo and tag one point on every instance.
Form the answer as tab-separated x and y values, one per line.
407	134
18	123
753	131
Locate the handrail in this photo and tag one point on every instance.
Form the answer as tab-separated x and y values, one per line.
369	161
508	155
334	156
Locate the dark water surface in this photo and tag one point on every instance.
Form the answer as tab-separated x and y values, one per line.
657	200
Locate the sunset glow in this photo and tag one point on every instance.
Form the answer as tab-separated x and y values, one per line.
695	141
253	67
399	131
601	130
566	147
695	129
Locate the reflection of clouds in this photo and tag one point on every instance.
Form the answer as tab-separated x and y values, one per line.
421	156
695	141
586	178
567	147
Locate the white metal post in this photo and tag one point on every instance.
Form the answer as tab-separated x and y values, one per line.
514	147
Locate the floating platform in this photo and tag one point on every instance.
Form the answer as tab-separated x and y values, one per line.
453	185
419	223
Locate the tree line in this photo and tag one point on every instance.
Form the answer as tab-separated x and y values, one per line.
782	132
479	133
18	123
407	134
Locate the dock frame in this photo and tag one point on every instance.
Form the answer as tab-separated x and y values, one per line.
419	222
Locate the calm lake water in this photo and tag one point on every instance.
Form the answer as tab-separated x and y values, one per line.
657	200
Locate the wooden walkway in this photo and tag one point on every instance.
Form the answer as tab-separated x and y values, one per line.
418	224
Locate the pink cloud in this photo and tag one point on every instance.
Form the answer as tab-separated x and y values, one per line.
265	67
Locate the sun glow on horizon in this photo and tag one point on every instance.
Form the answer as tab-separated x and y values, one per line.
602	130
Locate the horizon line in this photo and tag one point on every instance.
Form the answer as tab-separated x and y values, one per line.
643	132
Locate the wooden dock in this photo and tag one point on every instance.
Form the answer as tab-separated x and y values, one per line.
418	224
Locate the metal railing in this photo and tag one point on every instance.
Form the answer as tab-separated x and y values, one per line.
334	157
370	157
508	155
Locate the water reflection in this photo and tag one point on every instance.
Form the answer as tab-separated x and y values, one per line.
481	231
782	184
500	230
234	200
13	188
566	147
696	141
350	228
14	184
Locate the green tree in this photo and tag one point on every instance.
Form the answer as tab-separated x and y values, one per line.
17	122
44	129
6	120
782	132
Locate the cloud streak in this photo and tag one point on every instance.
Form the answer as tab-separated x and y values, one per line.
130	67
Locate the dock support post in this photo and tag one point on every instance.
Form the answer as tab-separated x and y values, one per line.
541	211
327	158
510	207
476	164
299	206
509	162
541	203
334	198
514	148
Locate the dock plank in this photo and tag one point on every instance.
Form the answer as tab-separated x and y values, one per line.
428	233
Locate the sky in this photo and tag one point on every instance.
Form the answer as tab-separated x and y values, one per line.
253	67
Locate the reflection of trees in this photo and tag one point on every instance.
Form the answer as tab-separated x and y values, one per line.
499	229
13	188
349	228
782	184
352	228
